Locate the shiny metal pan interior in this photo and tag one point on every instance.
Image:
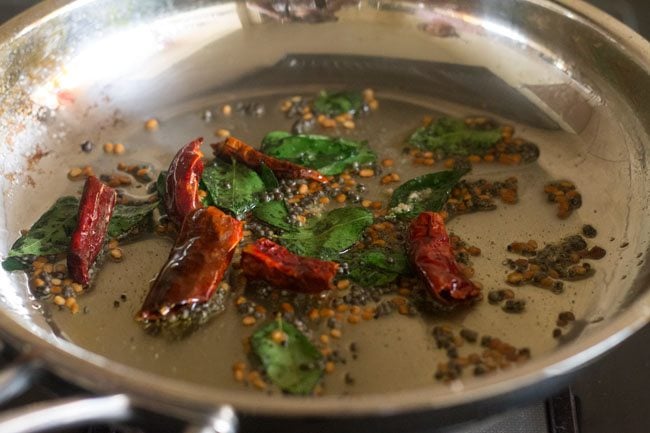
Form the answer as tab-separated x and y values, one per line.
566	77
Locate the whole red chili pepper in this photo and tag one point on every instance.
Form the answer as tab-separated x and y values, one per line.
234	148
265	260
182	182
95	210
196	264
432	256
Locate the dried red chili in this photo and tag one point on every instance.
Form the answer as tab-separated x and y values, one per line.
431	254
196	264
234	148
95	210
182	182
267	261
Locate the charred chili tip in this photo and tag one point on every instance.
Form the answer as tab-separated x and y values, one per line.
196	265
182	182
232	147
265	260
432	255
95	210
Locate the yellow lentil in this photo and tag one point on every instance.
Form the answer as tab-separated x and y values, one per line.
259	384
287	308
368	314
74	173
336	333
116	254
354	319
343	284
326	313
286	106
313	314
151	124
248	321
278	336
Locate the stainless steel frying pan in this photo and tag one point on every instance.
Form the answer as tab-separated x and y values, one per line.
568	77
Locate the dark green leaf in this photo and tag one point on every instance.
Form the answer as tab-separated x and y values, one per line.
333	104
274	213
268	177
161	186
50	234
15	264
452	137
329	156
424	193
126	219
327	237
377	267
294	366
234	187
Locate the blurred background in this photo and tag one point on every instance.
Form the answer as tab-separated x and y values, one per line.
635	13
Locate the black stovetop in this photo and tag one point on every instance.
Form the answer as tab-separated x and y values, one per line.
612	395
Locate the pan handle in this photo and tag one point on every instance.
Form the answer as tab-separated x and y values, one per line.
24	370
223	421
71	412
17	377
64	413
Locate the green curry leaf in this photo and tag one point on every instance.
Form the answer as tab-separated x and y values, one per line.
377	267
328	155
274	213
268	177
424	193
452	137
327	237
234	187
126	219
294	366
333	104
50	234
161	185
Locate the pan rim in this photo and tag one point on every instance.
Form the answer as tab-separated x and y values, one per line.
148	390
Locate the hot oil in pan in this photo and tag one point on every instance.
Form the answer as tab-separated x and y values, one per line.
392	352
